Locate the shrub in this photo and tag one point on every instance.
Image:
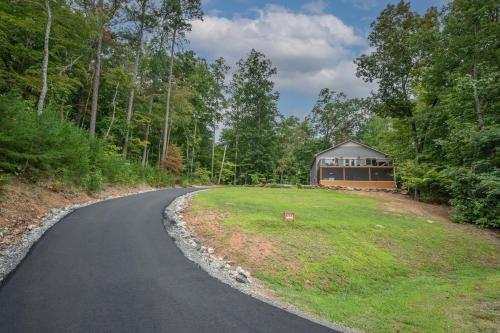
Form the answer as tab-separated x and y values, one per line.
36	146
475	196
93	182
201	176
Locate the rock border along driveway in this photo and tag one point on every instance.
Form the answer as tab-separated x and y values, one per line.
219	268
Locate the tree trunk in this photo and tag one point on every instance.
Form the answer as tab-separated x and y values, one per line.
134	77
194	146
95	85
80	106
236	159
45	62
114	111
477	102
167	111
222	164
213	153
146	134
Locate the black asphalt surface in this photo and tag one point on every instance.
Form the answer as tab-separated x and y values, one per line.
111	267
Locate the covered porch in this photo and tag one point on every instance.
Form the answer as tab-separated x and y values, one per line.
375	173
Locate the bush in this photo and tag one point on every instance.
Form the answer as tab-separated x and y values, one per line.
475	196
36	146
93	182
430	182
201	176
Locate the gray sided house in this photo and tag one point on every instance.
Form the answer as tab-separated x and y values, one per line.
352	164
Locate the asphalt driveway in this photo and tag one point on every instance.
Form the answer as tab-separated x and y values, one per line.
111	267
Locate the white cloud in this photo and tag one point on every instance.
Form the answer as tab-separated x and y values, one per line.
315	7
310	51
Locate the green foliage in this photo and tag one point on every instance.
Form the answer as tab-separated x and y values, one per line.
437	103
93	181
475	196
40	146
426	179
201	176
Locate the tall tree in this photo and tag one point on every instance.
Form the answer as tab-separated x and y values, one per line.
336	118
140	13
176	17
394	63
102	13
254	104
219	69
45	63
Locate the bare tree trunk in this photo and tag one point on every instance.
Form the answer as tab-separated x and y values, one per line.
477	102
194	146
45	62
146	135
114	111
134	77
222	164
169	132
167	111
236	159
213	153
95	85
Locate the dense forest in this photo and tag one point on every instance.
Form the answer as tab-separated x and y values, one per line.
96	92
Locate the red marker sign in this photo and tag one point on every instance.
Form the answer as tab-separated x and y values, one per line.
289	216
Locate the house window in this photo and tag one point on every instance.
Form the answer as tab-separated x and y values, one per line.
346	162
371	161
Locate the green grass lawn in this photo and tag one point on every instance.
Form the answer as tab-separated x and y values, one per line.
348	261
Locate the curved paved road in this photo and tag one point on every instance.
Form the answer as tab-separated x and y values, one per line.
111	267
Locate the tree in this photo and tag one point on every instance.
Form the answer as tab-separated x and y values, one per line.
45	64
394	64
217	102
102	13
336	118
254	115
141	14
176	15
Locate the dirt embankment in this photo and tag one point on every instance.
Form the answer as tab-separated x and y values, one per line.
23	205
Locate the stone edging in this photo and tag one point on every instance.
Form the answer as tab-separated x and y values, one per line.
14	253
219	268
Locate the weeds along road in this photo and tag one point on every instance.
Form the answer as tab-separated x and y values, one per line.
111	267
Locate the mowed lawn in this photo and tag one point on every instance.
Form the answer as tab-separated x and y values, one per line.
347	260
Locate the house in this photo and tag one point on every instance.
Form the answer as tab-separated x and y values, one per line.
353	164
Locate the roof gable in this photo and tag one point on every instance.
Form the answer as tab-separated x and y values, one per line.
349	144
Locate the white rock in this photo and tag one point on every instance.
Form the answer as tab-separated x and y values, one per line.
31	227
210	250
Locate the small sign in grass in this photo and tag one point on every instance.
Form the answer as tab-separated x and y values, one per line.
289	216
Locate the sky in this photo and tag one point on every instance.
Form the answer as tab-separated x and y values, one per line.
312	43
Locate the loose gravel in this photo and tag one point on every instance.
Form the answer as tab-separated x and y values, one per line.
220	268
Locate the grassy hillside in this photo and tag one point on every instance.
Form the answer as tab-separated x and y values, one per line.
349	260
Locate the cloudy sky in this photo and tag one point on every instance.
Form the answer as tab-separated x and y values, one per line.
312	43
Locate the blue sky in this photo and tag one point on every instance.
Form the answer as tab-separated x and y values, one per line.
312	43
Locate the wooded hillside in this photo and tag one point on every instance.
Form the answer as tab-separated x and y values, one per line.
99	91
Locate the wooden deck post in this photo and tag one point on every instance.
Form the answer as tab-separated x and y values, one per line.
343	173
370	174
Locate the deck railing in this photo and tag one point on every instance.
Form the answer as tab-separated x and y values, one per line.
355	162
